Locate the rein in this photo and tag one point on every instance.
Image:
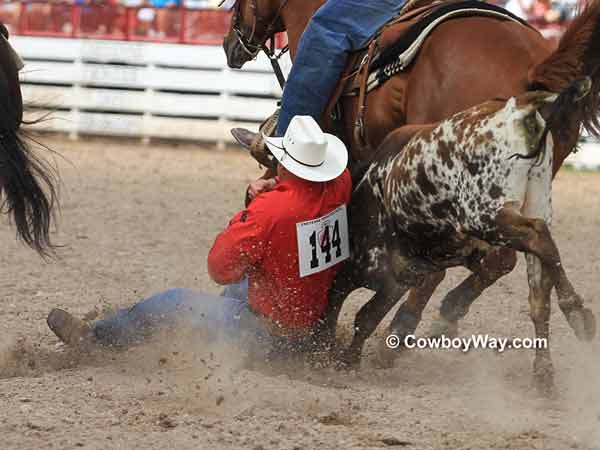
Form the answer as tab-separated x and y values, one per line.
253	48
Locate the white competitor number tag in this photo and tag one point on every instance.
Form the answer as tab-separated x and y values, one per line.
323	242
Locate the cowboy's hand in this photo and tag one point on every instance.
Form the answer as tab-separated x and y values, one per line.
259	186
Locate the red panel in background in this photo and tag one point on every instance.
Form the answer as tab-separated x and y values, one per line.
155	24
206	26
47	19
101	20
113	21
9	16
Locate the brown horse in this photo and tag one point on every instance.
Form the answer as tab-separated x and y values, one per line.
27	183
464	62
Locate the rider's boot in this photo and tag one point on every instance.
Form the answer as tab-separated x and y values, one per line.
254	142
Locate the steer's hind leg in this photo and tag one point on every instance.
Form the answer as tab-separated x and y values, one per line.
457	302
535	238
581	319
544	271
540	288
521	234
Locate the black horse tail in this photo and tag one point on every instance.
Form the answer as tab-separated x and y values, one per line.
28	184
29	191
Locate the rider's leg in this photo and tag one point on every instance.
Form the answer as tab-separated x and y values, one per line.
183	307
209	313
337	28
238	291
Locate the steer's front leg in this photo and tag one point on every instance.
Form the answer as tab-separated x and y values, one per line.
368	318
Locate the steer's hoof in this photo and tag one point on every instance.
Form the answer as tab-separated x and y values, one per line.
583	323
347	360
543	378
444	327
386	356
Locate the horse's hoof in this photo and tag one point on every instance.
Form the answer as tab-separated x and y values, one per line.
583	323
444	327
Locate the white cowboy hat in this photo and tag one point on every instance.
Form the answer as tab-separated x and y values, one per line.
307	152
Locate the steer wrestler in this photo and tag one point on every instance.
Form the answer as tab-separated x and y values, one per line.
278	257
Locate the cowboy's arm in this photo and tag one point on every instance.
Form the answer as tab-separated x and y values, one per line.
258	187
239	247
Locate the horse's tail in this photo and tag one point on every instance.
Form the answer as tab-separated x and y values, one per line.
577	56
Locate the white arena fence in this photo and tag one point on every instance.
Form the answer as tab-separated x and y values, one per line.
143	89
154	90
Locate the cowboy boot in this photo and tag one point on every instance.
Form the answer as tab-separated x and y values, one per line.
68	328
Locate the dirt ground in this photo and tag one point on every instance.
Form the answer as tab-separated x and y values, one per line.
138	219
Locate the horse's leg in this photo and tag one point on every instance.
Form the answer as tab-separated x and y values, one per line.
457	302
408	316
369	317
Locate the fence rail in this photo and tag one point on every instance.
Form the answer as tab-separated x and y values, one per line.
143	89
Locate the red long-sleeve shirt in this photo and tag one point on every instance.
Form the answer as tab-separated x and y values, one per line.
261	243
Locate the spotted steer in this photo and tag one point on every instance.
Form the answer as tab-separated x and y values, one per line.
439	196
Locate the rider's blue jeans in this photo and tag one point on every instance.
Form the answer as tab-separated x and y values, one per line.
337	28
212	314
227	316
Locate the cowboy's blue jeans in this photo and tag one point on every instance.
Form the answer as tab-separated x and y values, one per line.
212	314
337	28
226	316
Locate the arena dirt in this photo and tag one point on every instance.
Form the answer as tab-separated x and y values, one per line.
137	219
